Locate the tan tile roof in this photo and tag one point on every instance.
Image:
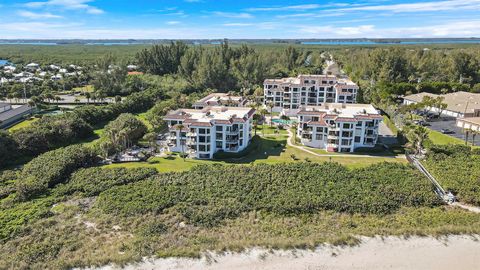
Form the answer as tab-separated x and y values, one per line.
460	102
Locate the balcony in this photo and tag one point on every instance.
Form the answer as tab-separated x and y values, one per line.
232	132
306	131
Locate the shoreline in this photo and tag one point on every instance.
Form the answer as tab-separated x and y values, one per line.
449	252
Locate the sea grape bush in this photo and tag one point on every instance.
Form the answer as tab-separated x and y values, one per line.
208	194
457	168
52	168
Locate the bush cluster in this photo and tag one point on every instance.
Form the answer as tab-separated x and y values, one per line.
52	168
207	195
457	168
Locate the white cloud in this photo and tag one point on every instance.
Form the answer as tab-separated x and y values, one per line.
293	7
67	4
468	28
420	6
237	24
296	15
232	15
34	15
172	22
328	31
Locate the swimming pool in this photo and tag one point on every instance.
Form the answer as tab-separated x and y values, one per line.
283	122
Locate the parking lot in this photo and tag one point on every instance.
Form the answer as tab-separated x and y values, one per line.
450	123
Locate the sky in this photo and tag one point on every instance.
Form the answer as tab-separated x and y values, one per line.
247	19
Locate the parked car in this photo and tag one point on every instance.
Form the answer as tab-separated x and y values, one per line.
421	123
447	131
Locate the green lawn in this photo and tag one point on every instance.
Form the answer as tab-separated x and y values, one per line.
23	124
270	130
172	164
439	138
86	88
273	149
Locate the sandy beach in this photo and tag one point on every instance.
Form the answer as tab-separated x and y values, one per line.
454	252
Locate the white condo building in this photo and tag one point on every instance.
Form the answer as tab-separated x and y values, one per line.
338	127
209	130
220	99
308	90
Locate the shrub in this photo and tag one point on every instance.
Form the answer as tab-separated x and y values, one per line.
457	168
207	195
92	181
52	168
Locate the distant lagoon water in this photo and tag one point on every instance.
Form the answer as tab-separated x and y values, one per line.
320	42
399	42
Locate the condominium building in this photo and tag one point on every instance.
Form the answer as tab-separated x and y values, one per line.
202	132
338	127
308	90
220	99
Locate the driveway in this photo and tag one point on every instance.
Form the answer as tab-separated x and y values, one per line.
385	135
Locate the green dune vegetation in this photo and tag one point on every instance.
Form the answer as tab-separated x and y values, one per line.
457	168
94	216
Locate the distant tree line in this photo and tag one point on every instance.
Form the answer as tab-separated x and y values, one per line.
387	72
227	68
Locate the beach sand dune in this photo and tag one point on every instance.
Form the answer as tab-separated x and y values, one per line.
454	252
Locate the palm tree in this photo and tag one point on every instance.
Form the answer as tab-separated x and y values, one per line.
270	105
255	123
466	136
417	136
151	138
474	134
180	127
88	96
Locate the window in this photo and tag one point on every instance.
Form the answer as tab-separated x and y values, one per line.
347	125
219	144
346	142
319	137
219	128
203	148
357	139
319	129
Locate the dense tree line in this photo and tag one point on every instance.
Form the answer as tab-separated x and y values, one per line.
225	67
51	132
391	71
206	195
